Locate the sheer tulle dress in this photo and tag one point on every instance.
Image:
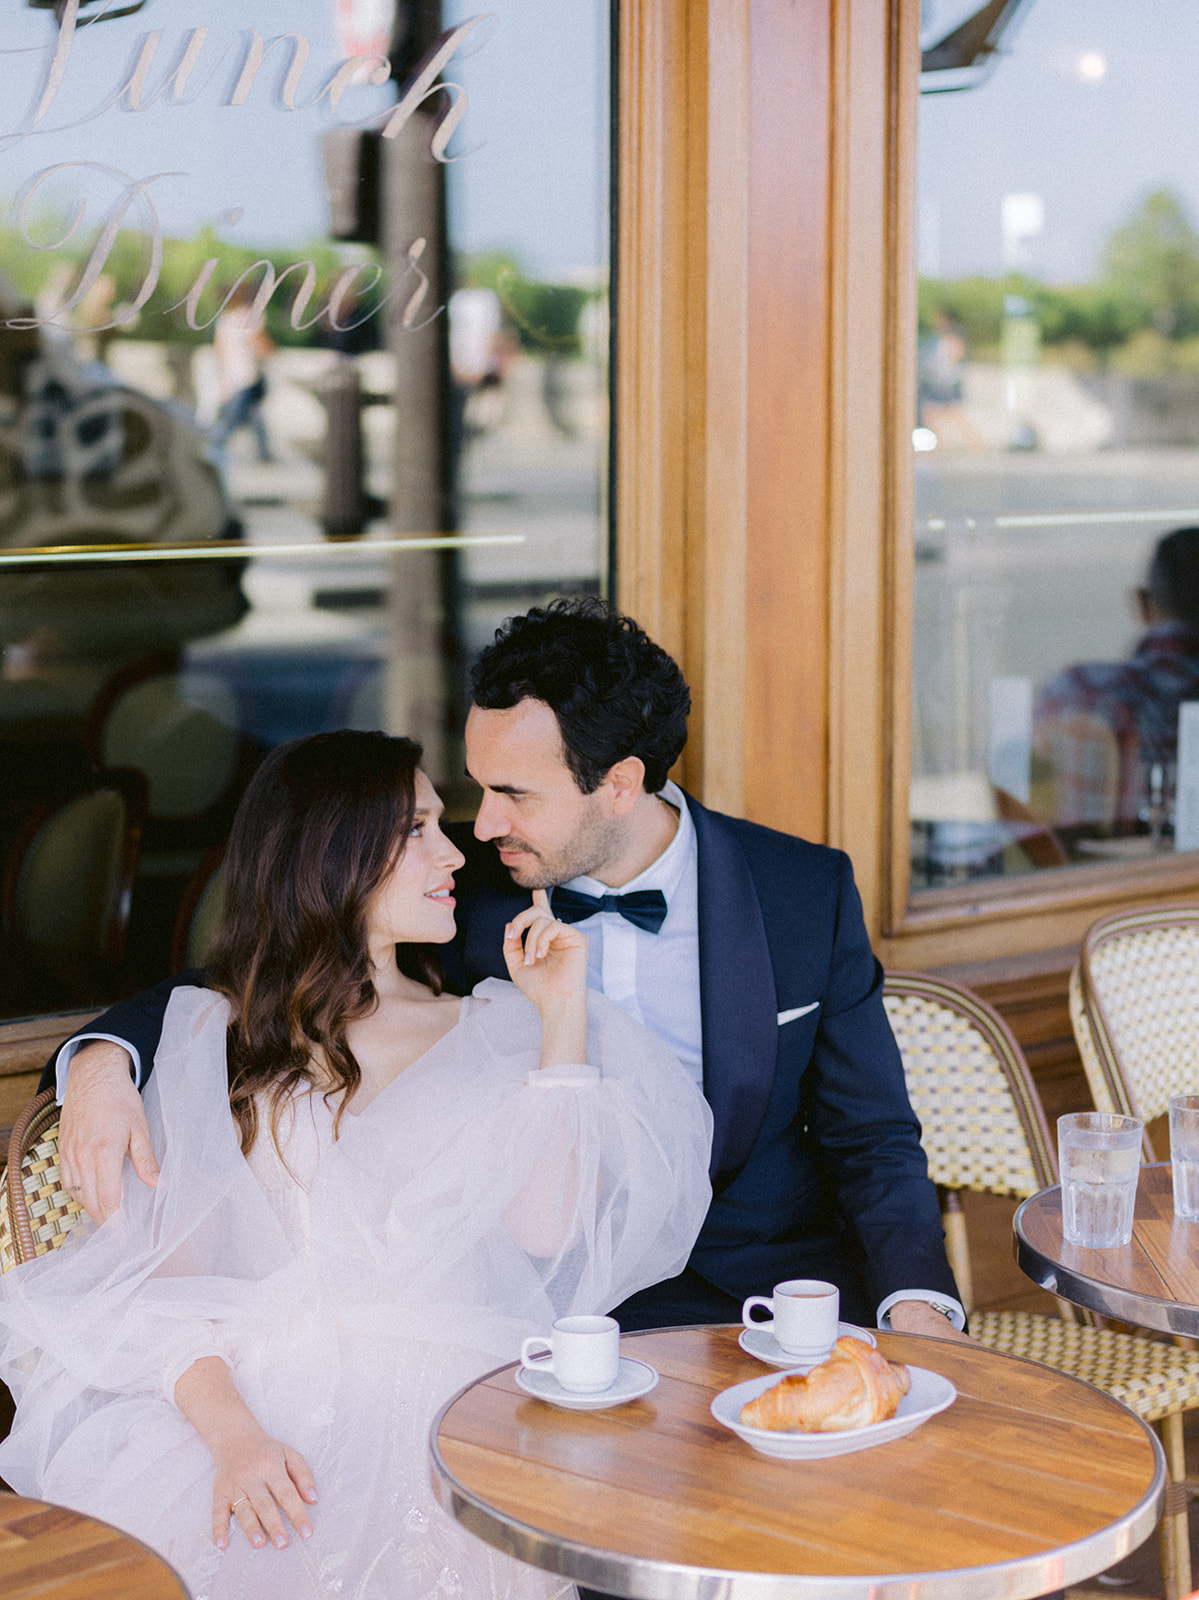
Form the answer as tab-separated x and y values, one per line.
351	1284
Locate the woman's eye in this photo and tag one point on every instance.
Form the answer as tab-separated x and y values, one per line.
415	831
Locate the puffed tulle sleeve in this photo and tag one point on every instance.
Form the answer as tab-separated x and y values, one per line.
475	1199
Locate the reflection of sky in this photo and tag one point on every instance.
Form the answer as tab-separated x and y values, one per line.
533	180
1090	149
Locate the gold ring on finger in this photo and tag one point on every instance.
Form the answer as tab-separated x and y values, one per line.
238	1501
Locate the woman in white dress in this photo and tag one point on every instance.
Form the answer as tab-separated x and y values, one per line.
370	1192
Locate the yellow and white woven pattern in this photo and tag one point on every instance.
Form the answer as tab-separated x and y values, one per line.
52	1211
972	1134
1147	983
1151	1378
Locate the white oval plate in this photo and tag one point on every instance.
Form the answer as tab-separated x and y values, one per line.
929	1393
763	1346
633	1379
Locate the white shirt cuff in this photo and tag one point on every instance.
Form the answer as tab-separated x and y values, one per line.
940	1302
63	1062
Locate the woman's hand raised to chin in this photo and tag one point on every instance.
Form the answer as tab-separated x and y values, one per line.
550	967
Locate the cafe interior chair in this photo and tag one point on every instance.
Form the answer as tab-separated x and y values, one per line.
1091	770
67	890
181	730
1134	1007
984	1130
200	912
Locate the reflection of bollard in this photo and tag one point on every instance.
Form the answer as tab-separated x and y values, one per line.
343	506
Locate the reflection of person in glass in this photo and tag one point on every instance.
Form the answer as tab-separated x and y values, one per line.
370	1193
242	347
1101	723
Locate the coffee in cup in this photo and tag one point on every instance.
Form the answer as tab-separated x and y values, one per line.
805	1313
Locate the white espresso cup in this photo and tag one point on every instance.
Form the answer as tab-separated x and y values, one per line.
805	1315
584	1353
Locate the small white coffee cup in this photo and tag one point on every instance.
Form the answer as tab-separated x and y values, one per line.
805	1315
584	1353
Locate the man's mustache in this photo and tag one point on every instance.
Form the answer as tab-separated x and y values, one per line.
511	842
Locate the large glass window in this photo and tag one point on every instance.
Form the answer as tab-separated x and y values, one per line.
303	388
1056	670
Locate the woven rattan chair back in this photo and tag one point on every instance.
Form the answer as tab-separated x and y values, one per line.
983	1128
36	1213
970	1086
1135	1007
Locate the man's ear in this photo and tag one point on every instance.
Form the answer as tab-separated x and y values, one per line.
627	781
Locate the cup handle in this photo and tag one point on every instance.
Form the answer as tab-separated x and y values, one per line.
527	1361
758	1300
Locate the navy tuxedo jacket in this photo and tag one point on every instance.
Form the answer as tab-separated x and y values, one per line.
817	1168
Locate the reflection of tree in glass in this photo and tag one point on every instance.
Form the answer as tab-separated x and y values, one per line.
1152	262
1138	314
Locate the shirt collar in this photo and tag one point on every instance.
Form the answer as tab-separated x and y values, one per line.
666	873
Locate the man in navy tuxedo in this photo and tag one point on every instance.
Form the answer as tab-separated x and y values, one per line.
744	948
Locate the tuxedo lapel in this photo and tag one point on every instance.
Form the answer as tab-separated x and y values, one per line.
483	947
737	995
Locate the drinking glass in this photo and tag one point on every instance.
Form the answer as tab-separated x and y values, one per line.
1098	1154
1184	1154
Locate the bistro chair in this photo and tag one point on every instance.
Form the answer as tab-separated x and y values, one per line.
36	1212
68	885
1092	771
984	1129
200	912
1134	1005
181	731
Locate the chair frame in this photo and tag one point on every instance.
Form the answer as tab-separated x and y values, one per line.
1093	1030
36	1121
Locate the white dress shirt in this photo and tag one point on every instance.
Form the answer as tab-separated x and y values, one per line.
654	977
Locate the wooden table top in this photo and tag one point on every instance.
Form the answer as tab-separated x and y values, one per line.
55	1554
1029	1481
1152	1281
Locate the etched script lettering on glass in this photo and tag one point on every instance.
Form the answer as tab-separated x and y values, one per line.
341	307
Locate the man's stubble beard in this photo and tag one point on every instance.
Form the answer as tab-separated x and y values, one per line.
595	842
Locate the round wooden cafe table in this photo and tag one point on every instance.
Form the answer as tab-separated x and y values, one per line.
1029	1481
50	1553
1152	1282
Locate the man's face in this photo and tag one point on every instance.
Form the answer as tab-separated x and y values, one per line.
546	831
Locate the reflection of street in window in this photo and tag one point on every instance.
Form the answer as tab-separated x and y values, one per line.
1057	438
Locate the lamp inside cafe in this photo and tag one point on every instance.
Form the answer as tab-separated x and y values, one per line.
599	800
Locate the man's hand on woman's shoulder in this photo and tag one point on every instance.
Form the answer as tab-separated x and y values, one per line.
102	1122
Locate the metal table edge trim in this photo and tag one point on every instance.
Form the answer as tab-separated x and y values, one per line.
642	1578
1124	1305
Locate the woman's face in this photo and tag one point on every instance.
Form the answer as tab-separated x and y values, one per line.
414	903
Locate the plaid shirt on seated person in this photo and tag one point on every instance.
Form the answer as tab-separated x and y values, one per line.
1137	700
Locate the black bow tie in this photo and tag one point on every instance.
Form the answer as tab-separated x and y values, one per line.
644	908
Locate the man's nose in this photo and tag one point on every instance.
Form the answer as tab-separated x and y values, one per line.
491	821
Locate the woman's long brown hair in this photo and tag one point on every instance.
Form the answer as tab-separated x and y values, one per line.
322	822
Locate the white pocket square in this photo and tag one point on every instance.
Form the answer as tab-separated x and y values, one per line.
799	1011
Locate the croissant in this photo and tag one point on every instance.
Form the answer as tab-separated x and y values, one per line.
852	1388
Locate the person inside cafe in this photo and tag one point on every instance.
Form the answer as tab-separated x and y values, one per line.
1134	702
370	1192
743	948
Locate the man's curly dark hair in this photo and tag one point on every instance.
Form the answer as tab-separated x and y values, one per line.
614	692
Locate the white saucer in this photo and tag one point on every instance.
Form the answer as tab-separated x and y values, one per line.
633	1379
928	1394
762	1344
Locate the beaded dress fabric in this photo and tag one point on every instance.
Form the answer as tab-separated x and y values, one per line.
352	1284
